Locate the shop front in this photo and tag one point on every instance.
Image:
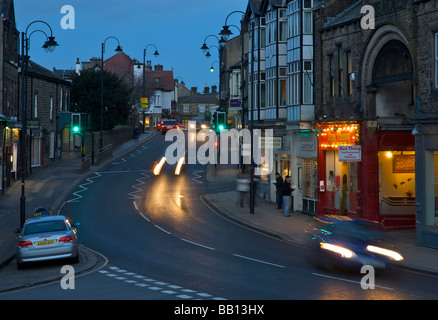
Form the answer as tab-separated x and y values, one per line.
426	148
368	172
339	155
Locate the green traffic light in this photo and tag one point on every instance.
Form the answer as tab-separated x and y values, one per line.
75	129
221	127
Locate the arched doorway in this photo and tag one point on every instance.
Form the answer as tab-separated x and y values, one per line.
387	173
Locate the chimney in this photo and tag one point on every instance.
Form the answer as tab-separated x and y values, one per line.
149	65
206	89
213	89
158	67
78	66
194	90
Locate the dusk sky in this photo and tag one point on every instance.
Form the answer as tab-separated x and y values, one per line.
178	28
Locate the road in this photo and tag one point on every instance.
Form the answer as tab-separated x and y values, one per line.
159	240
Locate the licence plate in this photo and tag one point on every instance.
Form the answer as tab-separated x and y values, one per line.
45	243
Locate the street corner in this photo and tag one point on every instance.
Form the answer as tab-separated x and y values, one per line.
46	272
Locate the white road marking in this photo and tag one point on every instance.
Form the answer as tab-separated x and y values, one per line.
197	244
346	280
162	229
163	287
257	260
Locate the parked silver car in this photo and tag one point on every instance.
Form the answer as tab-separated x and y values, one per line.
47	238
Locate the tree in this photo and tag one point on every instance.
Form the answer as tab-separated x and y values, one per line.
86	98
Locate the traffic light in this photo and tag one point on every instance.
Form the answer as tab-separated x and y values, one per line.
214	121
221	121
76	122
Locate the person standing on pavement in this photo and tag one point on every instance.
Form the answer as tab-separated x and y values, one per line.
242	187
279	186
287	192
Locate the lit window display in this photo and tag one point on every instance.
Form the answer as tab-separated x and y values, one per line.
432	192
397	182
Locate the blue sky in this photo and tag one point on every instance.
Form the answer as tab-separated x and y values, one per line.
177	27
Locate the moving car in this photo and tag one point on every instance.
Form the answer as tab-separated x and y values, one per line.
168	124
347	243
47	238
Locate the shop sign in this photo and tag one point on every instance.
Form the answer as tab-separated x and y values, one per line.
350	153
277	142
236	104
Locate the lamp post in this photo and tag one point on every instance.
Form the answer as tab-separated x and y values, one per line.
49	46
205	48
118	49
225	34
156	54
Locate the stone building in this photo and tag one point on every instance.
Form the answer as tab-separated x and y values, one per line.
376	113
9	97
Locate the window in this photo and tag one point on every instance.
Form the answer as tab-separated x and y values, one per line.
349	73
436	60
283	25
35	106
341	71
51	107
307	22
307	88
283	92
332	76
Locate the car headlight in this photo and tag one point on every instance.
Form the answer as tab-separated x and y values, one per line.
344	252
389	253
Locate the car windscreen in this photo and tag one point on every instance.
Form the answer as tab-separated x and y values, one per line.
169	123
45	226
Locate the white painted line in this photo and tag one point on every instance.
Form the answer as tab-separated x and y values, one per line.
345	280
155	288
197	244
261	261
142	285
168	291
135	205
204	295
131	281
184	296
144	217
162	229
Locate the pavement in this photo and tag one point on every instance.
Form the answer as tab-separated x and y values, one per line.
46	187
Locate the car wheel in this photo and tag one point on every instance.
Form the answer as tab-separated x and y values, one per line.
75	259
20	265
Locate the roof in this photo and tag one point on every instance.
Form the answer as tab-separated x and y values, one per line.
7	9
120	64
38	71
349	15
164	79
210	98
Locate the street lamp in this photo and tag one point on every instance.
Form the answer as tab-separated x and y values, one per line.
49	46
211	68
118	49
225	34
156	54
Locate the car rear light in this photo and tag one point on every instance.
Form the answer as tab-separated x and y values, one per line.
66	239
24	244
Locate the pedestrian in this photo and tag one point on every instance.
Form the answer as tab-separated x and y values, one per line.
279	186
287	192
242	187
